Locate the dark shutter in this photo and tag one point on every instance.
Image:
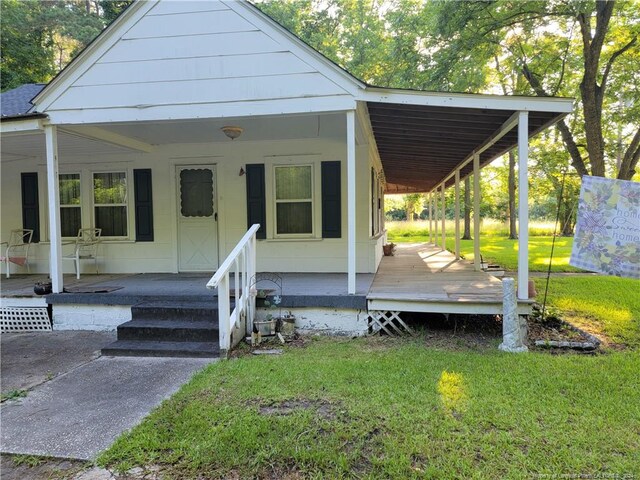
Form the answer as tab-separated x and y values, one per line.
143	204
30	205
256	205
331	200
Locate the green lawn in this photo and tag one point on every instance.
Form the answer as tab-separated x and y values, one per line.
389	408
499	249
599	304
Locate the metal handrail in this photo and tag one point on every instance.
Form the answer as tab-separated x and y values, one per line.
242	260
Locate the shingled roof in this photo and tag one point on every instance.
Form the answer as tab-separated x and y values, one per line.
17	102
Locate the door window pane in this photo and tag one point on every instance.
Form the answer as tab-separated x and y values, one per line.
196	193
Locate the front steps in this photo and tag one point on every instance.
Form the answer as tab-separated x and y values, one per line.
168	329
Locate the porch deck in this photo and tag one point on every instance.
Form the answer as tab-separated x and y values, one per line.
424	278
419	278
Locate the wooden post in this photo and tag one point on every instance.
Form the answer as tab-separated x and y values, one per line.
444	231
430	201
523	205
55	238
435	217
476	212
224	312
457	214
351	202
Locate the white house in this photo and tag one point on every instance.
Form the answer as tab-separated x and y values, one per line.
130	138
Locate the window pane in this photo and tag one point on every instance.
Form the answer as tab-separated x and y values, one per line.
69	189
293	183
112	221
109	188
294	217
70	221
196	193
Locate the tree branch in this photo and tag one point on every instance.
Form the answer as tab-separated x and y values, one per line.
613	58
630	159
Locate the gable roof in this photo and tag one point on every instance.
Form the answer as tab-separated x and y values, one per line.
195	42
17	102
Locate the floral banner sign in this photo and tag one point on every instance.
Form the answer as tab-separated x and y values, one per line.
607	238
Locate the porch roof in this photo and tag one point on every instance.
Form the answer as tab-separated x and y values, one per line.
421	145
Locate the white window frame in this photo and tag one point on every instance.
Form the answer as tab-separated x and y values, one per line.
79	174
311	200
125	204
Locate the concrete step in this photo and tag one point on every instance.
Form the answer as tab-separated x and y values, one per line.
169	330
191	311
137	348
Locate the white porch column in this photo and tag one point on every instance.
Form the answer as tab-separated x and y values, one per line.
523	206
457	214
444	231
430	201
351	202
476	211
55	255
435	217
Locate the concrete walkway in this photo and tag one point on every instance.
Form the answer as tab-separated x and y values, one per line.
81	412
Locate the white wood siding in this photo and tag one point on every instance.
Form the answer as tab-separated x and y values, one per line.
192	54
300	255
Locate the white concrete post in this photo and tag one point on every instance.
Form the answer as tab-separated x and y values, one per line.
523	206
430	201
55	237
476	212
457	214
351	202
513	328
444	230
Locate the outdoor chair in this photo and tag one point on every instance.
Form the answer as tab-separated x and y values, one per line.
86	248
17	250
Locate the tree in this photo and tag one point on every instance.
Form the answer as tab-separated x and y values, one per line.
467	209
413	203
560	47
27	48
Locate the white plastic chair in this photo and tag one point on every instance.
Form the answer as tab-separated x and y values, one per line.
86	248
17	250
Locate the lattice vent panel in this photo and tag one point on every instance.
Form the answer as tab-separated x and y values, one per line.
388	322
24	319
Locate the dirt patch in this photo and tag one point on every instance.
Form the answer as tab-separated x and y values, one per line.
322	408
29	467
552	330
454	331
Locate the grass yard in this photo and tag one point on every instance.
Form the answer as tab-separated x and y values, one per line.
608	306
390	408
497	248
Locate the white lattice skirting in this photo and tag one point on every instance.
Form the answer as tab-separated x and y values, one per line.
388	322
24	319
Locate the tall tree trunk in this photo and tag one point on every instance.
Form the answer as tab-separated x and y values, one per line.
513	232
467	209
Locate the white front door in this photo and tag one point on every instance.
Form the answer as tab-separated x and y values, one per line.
197	219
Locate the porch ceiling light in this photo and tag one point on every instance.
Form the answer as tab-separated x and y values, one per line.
232	132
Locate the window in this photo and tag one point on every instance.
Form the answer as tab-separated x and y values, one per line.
110	203
70	209
294	200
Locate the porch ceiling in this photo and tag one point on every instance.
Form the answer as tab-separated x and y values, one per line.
420	146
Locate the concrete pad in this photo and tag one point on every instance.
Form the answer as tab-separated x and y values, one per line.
79	414
29	359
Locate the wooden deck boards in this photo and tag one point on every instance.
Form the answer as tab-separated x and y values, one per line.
424	273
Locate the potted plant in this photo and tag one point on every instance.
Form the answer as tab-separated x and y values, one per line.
388	249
